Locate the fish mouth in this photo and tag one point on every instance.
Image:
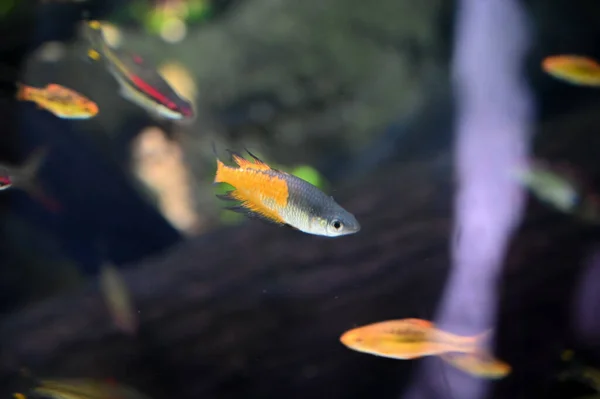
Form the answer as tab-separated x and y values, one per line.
187	112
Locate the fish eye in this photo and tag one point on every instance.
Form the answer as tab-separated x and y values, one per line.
336	224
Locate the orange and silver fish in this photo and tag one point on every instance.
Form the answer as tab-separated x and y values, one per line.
139	80
59	100
575	69
117	298
416	338
283	199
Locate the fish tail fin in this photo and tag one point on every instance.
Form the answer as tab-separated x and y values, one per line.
220	174
481	364
34	162
22	92
29	179
481	340
246	164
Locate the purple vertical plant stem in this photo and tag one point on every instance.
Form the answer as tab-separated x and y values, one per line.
494	118
586	310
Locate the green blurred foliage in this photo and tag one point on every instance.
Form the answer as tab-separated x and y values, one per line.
153	18
6	7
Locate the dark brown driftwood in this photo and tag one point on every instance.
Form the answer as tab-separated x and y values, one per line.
256	311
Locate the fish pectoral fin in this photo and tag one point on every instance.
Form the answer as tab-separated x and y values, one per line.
249	213
228	196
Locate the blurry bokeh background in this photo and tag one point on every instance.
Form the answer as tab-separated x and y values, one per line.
351	95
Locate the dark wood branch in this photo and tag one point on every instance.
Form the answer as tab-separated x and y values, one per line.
256	311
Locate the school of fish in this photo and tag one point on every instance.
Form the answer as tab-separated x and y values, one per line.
265	193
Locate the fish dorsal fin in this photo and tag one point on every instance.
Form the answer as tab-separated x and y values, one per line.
246	164
53	87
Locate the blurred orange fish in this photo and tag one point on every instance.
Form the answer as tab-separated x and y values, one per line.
82	389
415	338
480	364
408	339
62	102
575	69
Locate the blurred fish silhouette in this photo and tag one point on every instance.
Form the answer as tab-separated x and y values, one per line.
577	371
25	178
415	338
574	69
61	101
562	188
550	186
82	389
280	198
479	364
118	300
139	80
63	1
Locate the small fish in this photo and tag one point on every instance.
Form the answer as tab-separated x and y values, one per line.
62	102
283	199
575	69
550	187
480	364
416	338
83	389
118	300
139	80
408	339
25	178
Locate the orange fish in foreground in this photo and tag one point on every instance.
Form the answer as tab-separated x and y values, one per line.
415	338
283	199
575	69
62	102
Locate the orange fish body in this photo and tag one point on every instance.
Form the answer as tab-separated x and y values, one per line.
61	101
283	199
263	190
574	69
407	339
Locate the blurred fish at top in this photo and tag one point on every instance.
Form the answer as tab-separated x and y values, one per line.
59	100
117	298
25	178
415	338
139	80
283	199
575	69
